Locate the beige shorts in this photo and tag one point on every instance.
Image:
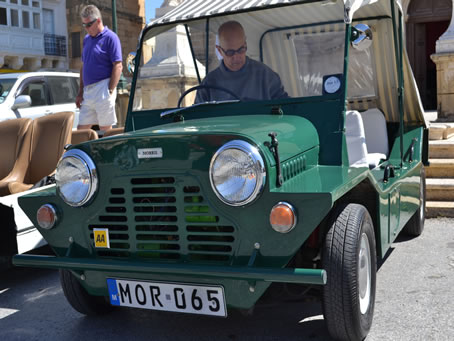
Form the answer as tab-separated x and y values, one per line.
98	105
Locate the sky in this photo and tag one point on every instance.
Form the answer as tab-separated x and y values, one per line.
150	6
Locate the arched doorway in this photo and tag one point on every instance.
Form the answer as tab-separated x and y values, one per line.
427	21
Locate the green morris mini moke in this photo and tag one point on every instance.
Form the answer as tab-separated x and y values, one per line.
200	208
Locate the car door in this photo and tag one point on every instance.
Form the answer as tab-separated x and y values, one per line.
63	94
37	89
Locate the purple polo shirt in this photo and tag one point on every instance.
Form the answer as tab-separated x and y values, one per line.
98	55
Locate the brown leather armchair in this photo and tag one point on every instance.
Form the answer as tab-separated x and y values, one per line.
40	153
12	136
82	135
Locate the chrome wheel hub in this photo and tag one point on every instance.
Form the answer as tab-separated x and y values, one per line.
364	274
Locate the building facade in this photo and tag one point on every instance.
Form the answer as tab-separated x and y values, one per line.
33	35
37	34
426	21
130	21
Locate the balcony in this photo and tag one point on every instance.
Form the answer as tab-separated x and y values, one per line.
54	45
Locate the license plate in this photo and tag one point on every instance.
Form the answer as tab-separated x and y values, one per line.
185	298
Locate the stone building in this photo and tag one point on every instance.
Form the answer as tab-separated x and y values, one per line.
430	46
130	21
33	35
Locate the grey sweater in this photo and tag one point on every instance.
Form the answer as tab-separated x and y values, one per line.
254	81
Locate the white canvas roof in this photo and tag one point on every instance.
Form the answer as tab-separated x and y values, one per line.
333	9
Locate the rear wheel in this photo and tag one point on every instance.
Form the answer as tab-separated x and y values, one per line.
415	225
349	258
80	299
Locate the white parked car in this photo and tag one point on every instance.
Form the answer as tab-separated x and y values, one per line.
34	94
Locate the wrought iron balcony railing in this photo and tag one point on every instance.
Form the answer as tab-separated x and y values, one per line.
54	45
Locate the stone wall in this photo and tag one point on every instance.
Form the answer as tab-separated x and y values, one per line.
130	21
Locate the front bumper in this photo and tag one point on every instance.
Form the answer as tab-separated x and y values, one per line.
247	273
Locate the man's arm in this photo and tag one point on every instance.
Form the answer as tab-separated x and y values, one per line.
80	94
115	76
277	89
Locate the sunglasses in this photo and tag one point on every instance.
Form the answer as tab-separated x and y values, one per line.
88	24
231	53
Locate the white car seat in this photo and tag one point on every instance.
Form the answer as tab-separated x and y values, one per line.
356	139
376	136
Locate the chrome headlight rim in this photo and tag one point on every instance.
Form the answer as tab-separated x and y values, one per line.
91	170
253	152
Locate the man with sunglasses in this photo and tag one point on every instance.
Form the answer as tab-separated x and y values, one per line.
100	72
247	78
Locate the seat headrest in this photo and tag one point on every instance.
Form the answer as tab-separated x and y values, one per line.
354	124
36	97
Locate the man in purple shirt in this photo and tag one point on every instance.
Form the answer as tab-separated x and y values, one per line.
100	72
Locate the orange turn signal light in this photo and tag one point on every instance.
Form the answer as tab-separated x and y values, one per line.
283	217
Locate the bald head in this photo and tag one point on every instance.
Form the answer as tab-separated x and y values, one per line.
232	40
231	30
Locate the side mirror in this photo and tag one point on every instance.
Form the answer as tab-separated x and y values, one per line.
130	61
22	101
361	37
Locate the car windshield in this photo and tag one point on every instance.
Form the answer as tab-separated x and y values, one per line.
304	58
5	87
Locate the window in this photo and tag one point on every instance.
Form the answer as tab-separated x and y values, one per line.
35	4
25	2
13	1
37	92
36	21
319	55
14	18
62	90
3	20
75	43
361	74
5	87
25	19
75	81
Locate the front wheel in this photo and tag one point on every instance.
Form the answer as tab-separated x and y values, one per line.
80	299
349	258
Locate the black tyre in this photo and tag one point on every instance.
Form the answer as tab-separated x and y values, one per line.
349	258
79	299
415	225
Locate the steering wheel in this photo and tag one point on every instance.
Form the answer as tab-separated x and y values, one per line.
197	87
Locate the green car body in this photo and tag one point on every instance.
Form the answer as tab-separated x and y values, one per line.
166	223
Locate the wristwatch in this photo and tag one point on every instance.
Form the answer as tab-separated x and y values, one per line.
110	91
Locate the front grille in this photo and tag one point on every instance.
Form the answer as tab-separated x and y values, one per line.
161	219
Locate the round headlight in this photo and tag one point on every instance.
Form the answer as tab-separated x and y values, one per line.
76	178
237	173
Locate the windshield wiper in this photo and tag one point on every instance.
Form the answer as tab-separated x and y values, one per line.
173	112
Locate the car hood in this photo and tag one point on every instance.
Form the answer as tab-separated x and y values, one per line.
295	134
